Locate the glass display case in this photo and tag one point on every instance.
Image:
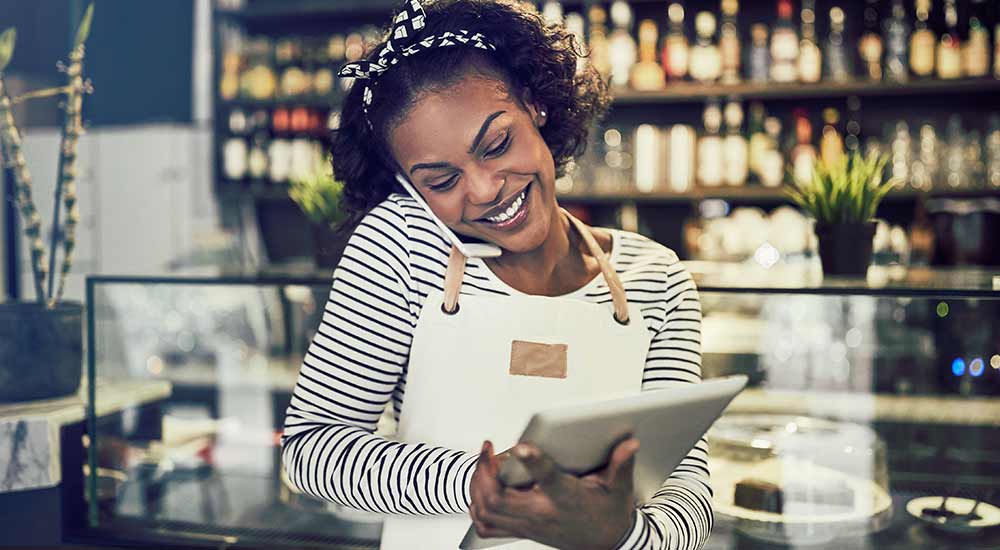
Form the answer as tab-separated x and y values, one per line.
872	419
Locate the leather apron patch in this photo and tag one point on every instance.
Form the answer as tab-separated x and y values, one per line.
534	359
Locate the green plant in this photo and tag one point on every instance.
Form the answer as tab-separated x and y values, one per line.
43	273
844	192
318	195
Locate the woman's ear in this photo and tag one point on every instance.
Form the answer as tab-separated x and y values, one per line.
539	114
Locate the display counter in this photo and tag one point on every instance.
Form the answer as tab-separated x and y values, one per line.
896	375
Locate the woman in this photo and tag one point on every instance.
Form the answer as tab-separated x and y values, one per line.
479	105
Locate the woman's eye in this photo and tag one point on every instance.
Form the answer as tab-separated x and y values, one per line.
444	185
500	148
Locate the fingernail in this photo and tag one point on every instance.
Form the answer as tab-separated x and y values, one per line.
521	452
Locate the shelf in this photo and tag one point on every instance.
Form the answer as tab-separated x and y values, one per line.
314	102
749	194
310	9
688	92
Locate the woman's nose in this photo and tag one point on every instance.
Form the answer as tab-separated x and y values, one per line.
485	188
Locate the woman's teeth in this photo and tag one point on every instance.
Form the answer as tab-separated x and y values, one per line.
509	213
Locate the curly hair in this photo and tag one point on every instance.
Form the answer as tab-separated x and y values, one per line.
531	56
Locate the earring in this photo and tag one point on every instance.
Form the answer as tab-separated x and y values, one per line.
543	113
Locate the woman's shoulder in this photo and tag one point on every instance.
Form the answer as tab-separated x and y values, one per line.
634	249
401	221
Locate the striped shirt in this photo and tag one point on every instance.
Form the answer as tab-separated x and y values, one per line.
356	364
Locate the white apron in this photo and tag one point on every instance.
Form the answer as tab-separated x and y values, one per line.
459	390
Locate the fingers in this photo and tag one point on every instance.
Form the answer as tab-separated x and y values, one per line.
484	527
542	468
622	463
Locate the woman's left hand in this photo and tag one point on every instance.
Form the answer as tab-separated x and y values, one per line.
560	510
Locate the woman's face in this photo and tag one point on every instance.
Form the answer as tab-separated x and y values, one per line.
475	154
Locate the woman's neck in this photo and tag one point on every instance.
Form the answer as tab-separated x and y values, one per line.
560	265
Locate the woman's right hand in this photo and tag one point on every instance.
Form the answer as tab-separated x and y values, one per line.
486	484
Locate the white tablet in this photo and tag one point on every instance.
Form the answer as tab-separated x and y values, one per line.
668	424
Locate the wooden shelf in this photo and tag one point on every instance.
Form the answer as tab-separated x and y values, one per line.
688	92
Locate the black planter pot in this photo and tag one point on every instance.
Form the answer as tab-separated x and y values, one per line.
330	245
845	249
41	350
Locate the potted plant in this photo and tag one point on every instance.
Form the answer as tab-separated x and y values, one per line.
41	341
843	197
318	195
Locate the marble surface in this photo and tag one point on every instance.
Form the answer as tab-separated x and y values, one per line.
29	432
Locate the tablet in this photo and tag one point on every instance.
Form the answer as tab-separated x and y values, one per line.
579	438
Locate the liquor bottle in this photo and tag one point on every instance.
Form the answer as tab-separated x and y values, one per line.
810	59
954	155
929	156
949	53
976	51
772	163
831	145
758	138
675	51
279	151
647	73
235	148
838	63
575	25
706	61
975	167
324	79
870	45
232	42
729	42
897	37
647	158
922	42
680	168
258	81
784	46
710	148
899	158
993	152
760	55
621	45
293	82
803	155
852	141
552	12
734	146
996	49
600	55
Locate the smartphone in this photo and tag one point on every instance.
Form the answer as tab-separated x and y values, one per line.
470	247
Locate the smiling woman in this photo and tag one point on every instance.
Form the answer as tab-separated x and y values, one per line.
478	106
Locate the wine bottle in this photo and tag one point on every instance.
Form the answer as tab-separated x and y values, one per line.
621	46
675	51
772	164
803	155
922	42
784	46
900	147
706	61
870	46
838	63
729	42
600	56
810	59
681	166
949	54
758	138
831	144
734	146
897	37
954	157
710	148
976	51
993	152
647	74
760	55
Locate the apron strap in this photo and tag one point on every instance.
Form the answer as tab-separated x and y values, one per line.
456	269
610	275
453	281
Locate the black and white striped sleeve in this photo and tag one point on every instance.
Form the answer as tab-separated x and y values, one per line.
679	515
349	373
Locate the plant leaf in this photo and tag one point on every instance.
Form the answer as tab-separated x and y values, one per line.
83	31
7	40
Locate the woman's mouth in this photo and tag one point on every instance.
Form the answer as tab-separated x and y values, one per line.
512	213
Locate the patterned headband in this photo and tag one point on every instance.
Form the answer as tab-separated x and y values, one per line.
404	41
